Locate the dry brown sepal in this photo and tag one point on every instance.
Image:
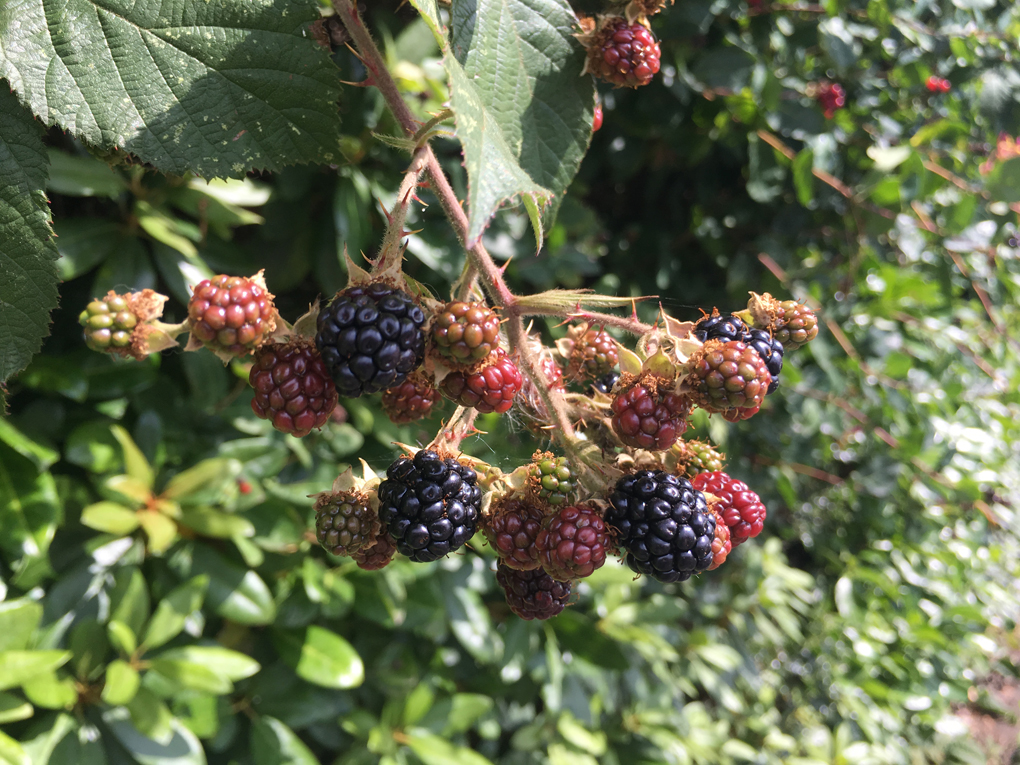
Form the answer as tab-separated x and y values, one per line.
150	335
639	9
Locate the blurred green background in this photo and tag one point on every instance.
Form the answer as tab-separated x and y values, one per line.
873	621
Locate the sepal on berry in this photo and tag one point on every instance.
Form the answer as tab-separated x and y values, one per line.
128	325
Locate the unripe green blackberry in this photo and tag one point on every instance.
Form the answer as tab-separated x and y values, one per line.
695	457
344	522
551	479
594	353
464	334
108	324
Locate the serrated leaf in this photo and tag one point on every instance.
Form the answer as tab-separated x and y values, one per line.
523	111
28	256
429	10
213	88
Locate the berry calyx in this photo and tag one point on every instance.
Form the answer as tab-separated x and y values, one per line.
490	388
728	376
795	325
593	354
648	414
623	53
735	503
664	525
465	333
412	400
293	390
831	96
532	594
345	522
371	337
377	555
551	480
572	543
231	315
430	505
512	529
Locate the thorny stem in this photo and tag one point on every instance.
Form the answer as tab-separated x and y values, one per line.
460	425
490	275
391	251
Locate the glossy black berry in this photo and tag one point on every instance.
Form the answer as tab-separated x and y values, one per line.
430	505
724	328
371	338
605	383
663	523
771	352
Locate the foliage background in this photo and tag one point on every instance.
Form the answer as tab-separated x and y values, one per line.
877	608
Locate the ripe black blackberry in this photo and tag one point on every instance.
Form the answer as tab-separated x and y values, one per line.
371	338
718	327
771	352
663	523
605	383
532	594
430	505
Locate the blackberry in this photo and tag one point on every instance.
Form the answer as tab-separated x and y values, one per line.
718	327
572	543
721	544
551	371
663	523
513	526
831	96
606	383
699	457
464	334
489	389
622	53
378	555
344	522
231	314
430	505
293	390
736	504
594	354
728	376
552	480
771	352
795	324
108	324
648	417
412	400
371	338
532	594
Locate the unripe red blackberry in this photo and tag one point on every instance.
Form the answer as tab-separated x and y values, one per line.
371	337
596	123
572	543
412	400
647	414
512	528
831	96
532	594
491	388
728	376
740	413
795	325
108	324
231	314
594	354
344	522
378	555
464	334
551	371
551	480
735	503
293	390
623	53
721	544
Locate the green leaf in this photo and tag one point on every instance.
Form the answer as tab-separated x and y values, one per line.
214	88
151	716
89	646
83	176
320	656
13	708
51	692
273	743
129	600
18	666
29	510
234	592
40	456
174	610
83	244
18	620
1004	181
178	747
122	683
135	464
210	522
28	289
429	10
433	750
803	179
122	637
188	675
11	752
110	517
231	665
160	530
523	111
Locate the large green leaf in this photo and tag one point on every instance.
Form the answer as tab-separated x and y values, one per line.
28	289
273	743
18	666
218	88
523	111
320	656
29	511
18	620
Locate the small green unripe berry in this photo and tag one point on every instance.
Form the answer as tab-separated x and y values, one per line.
553	480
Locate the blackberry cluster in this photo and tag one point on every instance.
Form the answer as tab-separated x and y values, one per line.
771	352
732	328
552	480
465	333
532	594
663	523
647	417
719	327
491	388
624	54
231	314
606	383
741	509
293	390
572	543
371	337
512	530
345	523
430	505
